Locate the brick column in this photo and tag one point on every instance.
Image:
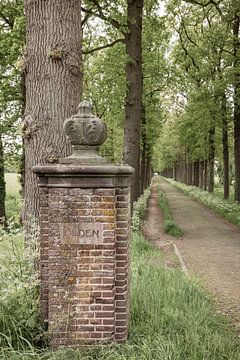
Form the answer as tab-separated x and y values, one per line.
84	230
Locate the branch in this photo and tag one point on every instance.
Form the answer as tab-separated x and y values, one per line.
186	51
115	23
210	2
7	21
85	19
188	37
103	46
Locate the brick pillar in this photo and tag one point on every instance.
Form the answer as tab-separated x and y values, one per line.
84	231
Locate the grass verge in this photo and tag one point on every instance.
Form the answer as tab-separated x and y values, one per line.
229	209
172	318
169	224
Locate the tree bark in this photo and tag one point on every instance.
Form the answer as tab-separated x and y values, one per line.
143	168
201	174
53	85
196	173
133	106
225	148
23	106
2	186
175	171
205	175
190	174
236	114
185	172
148	172
211	158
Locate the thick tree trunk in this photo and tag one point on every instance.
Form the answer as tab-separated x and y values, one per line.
205	175
236	114
201	174
23	106
225	148
143	168
190	174
2	186
133	107
185	172
211	158
143	179
175	172
196	173
53	85
148	171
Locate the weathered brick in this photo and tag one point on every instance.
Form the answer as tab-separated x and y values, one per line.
84	291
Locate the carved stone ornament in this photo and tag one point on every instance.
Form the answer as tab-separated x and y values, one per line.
85	132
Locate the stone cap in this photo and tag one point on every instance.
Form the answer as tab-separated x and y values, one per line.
82	169
83	176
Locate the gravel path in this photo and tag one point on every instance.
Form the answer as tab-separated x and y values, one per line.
210	248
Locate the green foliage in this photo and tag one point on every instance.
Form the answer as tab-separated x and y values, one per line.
19	305
105	86
12	34
139	209
201	75
169	224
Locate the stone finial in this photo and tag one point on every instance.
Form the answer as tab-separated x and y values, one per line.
85	132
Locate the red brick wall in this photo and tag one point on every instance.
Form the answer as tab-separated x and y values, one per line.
84	291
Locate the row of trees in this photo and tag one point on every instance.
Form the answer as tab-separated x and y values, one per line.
205	118
165	79
54	71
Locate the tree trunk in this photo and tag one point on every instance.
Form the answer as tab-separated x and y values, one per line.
175	171
185	172
236	114
133	106
2	186
201	176
205	175
143	168
211	158
148	171
143	179
225	148
23	106
53	86
196	173
190	174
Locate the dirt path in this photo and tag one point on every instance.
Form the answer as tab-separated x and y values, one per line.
210	248
153	231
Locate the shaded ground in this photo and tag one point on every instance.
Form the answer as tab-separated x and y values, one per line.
210	248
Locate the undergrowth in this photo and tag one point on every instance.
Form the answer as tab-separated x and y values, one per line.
169	223
20	326
171	317
229	209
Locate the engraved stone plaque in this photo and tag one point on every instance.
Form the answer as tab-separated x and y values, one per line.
84	233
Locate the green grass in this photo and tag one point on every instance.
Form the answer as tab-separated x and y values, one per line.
169	223
13	197
172	318
229	209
